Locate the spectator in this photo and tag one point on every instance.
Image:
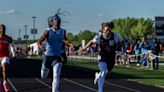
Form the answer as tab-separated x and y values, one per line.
137	51
156	51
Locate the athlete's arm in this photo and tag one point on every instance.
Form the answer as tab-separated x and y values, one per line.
91	42
67	42
12	48
13	51
41	39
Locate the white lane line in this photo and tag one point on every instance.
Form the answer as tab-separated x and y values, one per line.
13	87
122	86
80	84
42	82
37	79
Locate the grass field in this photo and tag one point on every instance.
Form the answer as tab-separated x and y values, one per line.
133	73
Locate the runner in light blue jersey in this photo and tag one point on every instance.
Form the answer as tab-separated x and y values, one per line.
54	53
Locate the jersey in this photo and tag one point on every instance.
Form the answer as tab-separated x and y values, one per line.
5	46
107	46
55	44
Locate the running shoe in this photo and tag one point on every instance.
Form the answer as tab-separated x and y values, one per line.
97	75
6	87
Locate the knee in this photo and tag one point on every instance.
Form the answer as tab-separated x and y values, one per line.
56	75
103	73
44	72
3	64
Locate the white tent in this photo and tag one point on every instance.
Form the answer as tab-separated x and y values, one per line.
33	49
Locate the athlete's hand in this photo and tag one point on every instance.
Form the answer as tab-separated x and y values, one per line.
14	57
81	51
42	48
76	48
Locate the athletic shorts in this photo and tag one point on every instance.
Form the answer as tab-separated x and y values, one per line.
4	59
48	60
110	61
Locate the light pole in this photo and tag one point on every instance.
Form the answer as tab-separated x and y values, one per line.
26	36
34	31
19	31
25	26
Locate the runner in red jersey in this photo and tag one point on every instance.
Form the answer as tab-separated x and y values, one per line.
5	49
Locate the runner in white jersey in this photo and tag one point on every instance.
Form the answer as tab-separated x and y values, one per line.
54	54
107	42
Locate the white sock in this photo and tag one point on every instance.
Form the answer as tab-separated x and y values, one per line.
4	81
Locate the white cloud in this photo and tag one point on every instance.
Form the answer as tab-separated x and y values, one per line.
9	12
101	15
155	9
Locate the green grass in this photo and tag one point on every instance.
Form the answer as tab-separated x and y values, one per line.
134	73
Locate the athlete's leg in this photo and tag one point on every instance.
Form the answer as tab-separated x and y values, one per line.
4	63
103	72
44	72
44	68
56	74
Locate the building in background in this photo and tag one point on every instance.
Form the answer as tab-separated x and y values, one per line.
159	29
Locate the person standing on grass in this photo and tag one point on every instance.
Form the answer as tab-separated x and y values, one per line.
107	42
144	48
156	51
54	53
6	48
137	51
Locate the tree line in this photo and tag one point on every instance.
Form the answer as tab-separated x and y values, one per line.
128	28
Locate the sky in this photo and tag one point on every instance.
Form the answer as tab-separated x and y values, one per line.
83	14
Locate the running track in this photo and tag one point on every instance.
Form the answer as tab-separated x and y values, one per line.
24	76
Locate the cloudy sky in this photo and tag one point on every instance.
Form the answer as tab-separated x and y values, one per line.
83	14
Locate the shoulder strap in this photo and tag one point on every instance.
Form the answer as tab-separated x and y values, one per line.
112	35
64	31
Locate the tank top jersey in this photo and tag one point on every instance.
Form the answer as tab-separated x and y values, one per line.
107	46
55	44
5	46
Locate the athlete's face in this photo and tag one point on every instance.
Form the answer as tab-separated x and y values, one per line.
56	23
2	31
106	30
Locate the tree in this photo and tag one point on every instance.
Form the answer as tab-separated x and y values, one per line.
133	27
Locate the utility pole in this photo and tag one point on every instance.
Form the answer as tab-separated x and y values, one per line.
34	30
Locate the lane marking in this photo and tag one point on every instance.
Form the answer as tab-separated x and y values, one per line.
37	79
43	82
13	87
121	86
80	84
